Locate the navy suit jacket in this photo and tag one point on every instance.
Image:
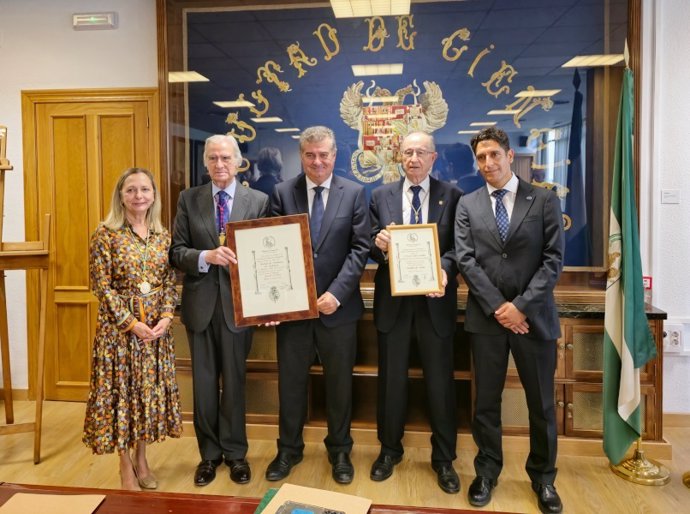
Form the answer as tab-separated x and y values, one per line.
523	270
342	250
386	208
195	230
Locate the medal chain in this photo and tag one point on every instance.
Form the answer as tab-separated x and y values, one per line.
416	212
146	253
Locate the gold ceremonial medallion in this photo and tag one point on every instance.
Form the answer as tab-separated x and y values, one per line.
145	287
221	238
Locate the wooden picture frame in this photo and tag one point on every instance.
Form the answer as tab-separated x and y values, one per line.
414	260
273	279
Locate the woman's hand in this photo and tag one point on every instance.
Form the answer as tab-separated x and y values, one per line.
161	327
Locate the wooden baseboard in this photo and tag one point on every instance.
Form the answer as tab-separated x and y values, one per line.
678	420
17	394
567	446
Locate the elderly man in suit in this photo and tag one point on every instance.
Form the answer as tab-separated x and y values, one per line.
509	242
417	198
339	226
219	348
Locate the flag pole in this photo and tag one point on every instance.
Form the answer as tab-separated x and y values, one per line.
641	470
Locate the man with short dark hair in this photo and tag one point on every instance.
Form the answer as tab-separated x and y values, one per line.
339	227
509	243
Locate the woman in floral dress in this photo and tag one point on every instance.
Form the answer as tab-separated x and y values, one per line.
134	397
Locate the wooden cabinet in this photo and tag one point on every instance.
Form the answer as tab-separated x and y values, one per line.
577	392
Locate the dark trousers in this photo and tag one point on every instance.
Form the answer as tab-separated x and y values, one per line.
536	364
219	408
298	343
436	354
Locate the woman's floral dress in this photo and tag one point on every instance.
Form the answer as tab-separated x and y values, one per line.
134	394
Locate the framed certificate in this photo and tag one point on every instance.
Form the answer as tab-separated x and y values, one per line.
414	260
274	276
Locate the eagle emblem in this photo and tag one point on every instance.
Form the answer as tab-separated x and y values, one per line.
382	119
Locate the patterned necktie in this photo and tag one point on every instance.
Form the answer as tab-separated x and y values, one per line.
316	214
502	221
416	212
221	211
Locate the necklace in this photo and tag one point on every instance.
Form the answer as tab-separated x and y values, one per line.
417	212
144	286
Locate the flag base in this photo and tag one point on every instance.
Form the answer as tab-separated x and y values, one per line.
640	470
686	479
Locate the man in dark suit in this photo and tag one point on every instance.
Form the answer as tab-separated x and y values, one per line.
418	198
339	226
219	349
509	243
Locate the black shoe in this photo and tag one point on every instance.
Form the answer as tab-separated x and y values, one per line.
448	479
240	472
479	493
549	501
206	471
343	471
280	467
382	468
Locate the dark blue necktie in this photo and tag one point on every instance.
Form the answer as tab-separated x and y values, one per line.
416	212
502	221
221	210
316	214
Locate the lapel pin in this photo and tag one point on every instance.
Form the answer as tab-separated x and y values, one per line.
528	198
440	202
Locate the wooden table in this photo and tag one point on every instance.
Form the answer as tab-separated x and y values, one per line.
118	502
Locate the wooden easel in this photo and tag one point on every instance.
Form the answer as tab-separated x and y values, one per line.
18	256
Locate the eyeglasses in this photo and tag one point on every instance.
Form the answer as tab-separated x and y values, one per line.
421	153
225	159
323	156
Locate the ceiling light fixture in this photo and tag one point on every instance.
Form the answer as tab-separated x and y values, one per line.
267	119
526	93
584	61
500	112
234	104
94	21
361	70
186	76
362	8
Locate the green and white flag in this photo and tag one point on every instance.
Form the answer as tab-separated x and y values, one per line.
628	342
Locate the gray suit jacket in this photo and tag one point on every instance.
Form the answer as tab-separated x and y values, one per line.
195	231
523	270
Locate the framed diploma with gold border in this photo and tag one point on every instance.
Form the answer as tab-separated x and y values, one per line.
273	279
414	260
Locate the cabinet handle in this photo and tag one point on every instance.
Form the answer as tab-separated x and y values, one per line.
560	404
561	346
569	346
569	406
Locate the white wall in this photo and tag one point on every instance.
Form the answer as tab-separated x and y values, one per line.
664	128
40	50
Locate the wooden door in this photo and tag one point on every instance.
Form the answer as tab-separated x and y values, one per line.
76	145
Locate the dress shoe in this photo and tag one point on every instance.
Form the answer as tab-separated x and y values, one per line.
448	479
343	471
382	468
240	472
147	482
280	467
206	471
549	501
479	493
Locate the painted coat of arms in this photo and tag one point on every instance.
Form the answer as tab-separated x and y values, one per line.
383	119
